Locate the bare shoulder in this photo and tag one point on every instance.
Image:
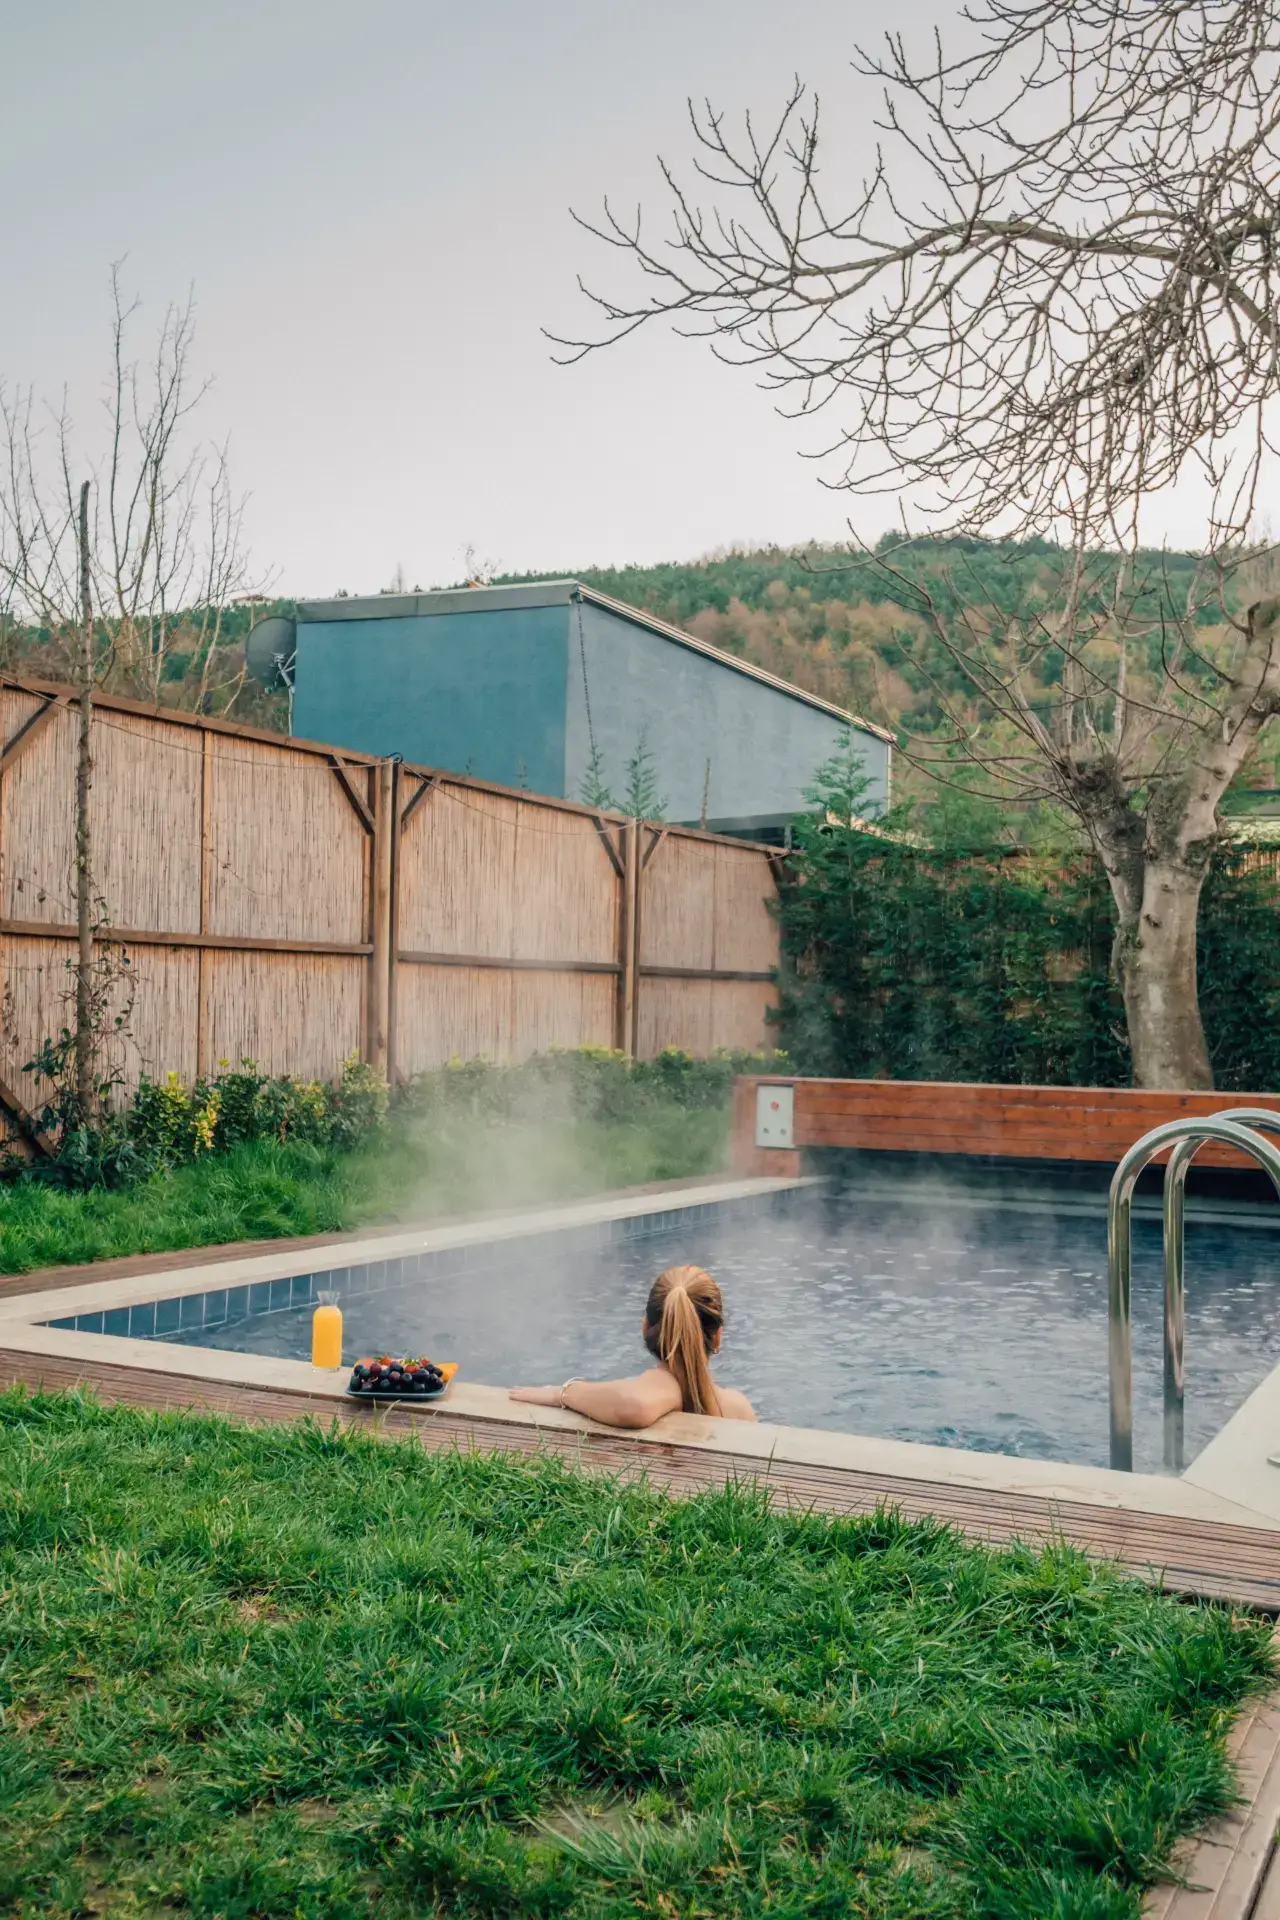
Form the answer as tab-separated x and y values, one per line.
653	1392
734	1405
659	1388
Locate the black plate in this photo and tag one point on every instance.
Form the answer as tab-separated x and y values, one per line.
396	1393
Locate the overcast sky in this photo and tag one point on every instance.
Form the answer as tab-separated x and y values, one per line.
371	202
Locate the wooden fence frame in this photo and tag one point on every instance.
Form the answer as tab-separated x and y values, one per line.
389	800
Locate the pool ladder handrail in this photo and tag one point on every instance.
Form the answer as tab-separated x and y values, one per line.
1259	1119
1186	1137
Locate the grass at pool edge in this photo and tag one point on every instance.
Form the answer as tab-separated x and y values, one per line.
265	1189
282	1671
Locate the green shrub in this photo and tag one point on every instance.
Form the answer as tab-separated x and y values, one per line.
908	957
578	1083
173	1123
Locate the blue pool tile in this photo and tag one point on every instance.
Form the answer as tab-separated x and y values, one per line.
167	1316
142	1320
215	1307
69	1324
260	1296
116	1321
190	1311
88	1323
299	1289
281	1295
237	1302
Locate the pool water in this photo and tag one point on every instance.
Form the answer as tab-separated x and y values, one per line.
975	1327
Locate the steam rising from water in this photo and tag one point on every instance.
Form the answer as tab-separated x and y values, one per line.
974	1326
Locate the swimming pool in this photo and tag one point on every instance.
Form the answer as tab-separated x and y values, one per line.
968	1323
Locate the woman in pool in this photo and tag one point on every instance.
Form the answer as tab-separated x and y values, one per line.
683	1321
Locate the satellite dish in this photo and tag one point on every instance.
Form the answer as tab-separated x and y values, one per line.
269	652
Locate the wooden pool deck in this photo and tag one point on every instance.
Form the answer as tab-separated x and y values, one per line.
1186	1553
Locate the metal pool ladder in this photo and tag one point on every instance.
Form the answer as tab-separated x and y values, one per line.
1186	1137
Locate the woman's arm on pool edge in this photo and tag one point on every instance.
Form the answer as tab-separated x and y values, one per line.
616	1403
629	1403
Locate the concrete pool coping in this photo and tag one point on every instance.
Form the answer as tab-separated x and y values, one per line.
764	1442
156	1282
1227	1483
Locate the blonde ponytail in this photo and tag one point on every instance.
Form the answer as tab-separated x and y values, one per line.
683	1317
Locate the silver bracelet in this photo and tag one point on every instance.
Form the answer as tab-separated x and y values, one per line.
564	1389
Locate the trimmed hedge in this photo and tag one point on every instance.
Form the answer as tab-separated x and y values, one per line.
911	961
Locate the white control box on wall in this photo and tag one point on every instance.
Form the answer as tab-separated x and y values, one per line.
775	1116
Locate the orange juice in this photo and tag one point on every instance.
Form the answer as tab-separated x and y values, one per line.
326	1335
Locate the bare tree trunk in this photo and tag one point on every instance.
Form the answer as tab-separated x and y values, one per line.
1156	967
84	846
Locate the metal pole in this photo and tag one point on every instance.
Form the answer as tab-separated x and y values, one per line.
380	880
1120	1254
1175	1296
1120	1313
1175	1301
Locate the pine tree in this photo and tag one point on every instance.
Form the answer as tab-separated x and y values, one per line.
641	798
594	791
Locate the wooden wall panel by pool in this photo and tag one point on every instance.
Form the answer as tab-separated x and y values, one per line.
37	980
564	895
287	852
1089	1124
702	1016
739	1010
459	1013
146	784
295	1013
147	779
37	831
674	1013
677	904
560	1010
746	933
450	1013
457	866
520	884
707	944
272	895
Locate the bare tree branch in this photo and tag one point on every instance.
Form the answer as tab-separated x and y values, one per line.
1056	284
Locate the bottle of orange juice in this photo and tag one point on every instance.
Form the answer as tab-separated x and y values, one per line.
326	1332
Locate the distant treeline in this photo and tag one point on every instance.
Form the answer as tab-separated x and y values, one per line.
835	622
192	660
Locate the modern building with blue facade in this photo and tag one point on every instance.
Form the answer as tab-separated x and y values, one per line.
526	685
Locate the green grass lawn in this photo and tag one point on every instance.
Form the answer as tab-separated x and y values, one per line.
263	1189
259	1673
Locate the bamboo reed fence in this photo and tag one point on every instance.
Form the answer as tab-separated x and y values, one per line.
282	901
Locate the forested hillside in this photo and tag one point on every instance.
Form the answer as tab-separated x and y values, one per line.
834	624
844	627
840	625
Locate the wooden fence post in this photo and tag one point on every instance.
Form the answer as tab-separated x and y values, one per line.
380	959
206	883
393	938
628	931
